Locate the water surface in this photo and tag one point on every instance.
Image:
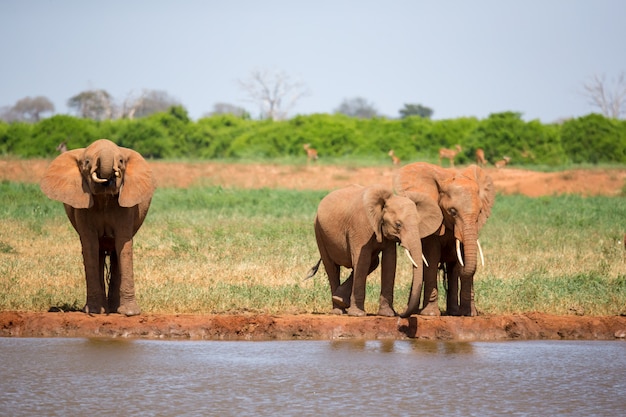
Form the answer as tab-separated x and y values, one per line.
114	377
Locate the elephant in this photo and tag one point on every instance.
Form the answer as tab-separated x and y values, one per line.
106	191
353	225
465	198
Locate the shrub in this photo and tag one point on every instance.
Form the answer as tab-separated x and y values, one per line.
594	139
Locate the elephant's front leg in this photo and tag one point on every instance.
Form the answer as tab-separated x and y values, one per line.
387	281
127	303
467	307
430	305
357	299
96	296
432	252
452	296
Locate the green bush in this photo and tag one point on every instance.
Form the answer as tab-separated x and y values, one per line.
171	134
594	139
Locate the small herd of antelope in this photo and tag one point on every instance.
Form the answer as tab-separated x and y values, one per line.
449	154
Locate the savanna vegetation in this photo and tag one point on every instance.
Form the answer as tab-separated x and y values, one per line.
218	250
591	139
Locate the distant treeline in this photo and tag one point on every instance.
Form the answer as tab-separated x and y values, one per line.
589	139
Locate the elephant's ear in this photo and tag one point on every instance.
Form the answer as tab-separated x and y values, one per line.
486	192
139	183
374	199
63	181
428	211
421	177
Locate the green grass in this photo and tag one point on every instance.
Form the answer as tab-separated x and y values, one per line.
223	250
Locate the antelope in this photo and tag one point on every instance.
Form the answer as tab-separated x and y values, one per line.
62	147
480	157
502	162
449	154
394	158
311	154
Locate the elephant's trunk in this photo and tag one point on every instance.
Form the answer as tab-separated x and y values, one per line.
105	172
413	249
105	164
466	293
470	253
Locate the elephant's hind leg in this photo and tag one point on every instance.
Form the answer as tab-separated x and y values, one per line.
341	296
114	283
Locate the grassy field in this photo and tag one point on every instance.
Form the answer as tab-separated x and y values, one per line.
217	250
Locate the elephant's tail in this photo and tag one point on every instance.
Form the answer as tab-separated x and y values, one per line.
313	270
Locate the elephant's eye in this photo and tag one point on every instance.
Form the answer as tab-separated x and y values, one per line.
453	212
398	225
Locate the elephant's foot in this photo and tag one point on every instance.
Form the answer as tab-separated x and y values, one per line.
386	311
356	312
338	311
341	301
95	305
129	309
467	311
431	309
94	308
453	311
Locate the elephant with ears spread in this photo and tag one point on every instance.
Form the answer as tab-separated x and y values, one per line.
465	198
355	224
106	191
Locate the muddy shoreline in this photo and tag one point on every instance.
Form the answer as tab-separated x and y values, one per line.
531	326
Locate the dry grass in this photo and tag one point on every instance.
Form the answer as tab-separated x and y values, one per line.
212	250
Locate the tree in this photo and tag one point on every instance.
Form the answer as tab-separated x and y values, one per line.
147	103
8	115
225	108
275	92
610	99
416	110
92	104
357	107
27	109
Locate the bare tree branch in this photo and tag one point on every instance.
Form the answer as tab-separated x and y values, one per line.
270	90
610	99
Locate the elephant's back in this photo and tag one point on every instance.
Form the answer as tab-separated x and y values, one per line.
419	177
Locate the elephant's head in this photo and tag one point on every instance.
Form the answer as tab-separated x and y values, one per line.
403	219
102	168
465	198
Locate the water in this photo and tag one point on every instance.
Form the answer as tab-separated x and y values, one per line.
113	377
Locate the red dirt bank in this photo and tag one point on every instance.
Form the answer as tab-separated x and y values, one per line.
306	326
310	327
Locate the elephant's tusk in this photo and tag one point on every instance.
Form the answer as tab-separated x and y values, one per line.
458	252
94	177
480	251
425	261
117	174
410	257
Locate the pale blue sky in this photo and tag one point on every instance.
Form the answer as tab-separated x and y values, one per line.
461	58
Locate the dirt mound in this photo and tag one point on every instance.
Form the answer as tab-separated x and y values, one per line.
608	182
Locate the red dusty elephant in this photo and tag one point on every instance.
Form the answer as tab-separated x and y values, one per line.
106	191
355	224
465	198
